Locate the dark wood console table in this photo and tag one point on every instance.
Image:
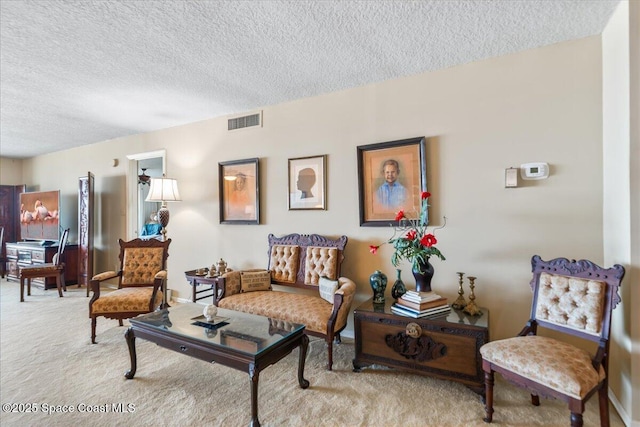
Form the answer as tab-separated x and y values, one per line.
28	254
206	284
445	347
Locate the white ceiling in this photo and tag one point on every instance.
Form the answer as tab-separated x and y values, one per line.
75	73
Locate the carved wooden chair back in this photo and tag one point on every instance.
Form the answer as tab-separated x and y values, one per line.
52	269
574	298
58	258
140	260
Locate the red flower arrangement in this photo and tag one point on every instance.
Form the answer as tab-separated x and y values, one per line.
415	244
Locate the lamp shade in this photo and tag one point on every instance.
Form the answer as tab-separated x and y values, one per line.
163	190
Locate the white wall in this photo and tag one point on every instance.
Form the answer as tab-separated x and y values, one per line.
621	138
10	171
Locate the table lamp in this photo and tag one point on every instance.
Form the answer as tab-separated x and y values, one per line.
163	190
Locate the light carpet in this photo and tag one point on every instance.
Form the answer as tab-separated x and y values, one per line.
46	359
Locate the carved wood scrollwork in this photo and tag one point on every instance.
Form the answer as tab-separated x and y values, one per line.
422	348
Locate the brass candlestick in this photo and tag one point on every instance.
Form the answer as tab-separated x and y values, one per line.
472	308
459	303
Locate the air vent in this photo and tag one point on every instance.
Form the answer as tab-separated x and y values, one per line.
244	121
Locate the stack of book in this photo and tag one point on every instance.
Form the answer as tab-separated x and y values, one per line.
420	304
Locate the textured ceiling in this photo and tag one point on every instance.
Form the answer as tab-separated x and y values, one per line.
79	72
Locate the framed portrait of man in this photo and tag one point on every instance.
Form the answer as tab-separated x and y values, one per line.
239	184
391	176
307	183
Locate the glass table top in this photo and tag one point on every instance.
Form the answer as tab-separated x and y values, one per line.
231	329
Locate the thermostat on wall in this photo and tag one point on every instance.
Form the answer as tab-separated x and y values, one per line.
538	170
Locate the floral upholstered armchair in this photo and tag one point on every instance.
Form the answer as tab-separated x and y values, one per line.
570	298
140	279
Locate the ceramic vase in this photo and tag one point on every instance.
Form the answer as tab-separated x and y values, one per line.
378	282
423	273
398	289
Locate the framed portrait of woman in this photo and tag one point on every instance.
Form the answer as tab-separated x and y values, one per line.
239	189
391	176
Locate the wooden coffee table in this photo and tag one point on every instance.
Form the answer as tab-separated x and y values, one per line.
243	341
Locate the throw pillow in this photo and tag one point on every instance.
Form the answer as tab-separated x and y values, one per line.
255	281
327	288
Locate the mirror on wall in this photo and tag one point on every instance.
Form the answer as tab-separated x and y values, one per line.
141	215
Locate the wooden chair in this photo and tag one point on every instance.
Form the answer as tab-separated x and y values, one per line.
572	298
140	279
52	269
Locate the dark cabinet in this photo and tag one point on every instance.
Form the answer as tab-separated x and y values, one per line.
446	346
9	218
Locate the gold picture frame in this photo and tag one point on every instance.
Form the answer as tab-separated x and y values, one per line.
383	193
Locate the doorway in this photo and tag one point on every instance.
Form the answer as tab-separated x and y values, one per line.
139	212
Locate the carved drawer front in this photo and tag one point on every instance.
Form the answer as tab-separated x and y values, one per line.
37	256
12	252
442	348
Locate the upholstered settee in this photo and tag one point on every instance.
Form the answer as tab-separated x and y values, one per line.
309	262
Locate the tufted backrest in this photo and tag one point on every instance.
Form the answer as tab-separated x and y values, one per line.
140	265
141	260
298	260
571	301
284	263
575	297
320	262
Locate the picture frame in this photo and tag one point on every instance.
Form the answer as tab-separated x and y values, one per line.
307	183
239	189
380	203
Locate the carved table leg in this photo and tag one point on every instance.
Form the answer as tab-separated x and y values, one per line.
254	376
131	343
304	344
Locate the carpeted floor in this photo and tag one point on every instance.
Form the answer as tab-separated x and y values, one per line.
46	359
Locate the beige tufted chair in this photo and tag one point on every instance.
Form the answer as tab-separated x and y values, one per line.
140	278
573	298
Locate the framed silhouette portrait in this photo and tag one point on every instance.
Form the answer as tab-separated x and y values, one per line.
239	187
391	176
308	183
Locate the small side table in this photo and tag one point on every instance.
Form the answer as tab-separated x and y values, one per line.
445	347
208	286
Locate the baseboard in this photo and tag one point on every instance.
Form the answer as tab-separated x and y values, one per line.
347	334
624	416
